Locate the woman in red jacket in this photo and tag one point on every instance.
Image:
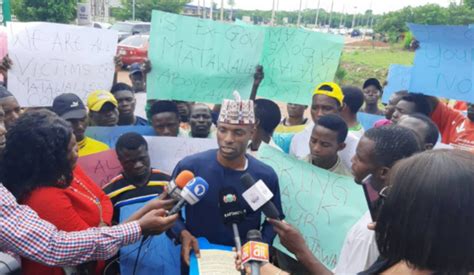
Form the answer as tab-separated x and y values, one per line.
41	171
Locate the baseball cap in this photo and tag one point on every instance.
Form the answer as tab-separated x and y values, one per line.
98	98
330	89
135	68
69	106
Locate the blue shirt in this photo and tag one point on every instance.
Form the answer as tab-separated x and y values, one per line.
204	219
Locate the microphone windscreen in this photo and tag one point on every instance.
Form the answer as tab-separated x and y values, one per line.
247	180
254	235
183	178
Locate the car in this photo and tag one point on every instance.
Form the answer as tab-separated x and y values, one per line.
133	49
356	33
125	29
101	25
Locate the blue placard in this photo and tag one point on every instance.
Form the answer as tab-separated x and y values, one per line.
368	120
158	256
398	79
443	64
110	135
204	244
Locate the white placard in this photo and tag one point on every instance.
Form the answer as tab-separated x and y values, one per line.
50	59
166	152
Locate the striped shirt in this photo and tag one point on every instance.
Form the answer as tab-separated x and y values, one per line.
24	233
122	191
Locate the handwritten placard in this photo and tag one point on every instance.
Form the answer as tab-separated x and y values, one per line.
101	167
295	61
50	59
398	79
443	64
110	135
201	60
166	152
321	204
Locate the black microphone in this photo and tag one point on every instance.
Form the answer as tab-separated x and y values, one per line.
269	208
232	212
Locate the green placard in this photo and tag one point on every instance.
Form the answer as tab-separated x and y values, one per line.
201	60
321	204
295	61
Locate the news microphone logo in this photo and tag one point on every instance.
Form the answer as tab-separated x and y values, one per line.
255	251
229	198
195	190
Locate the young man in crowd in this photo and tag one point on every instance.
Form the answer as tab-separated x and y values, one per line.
200	120
125	97
10	106
223	167
423	127
165	119
268	116
138	73
378	150
184	109
138	182
327	139
295	122
410	104
456	129
372	95
353	101
392	102
71	108
102	109
327	99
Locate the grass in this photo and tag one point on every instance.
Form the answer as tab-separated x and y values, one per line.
360	64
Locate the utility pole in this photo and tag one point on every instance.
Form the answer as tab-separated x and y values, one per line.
204	9
330	15
342	15
222	10
272	21
317	15
299	14
133	10
354	17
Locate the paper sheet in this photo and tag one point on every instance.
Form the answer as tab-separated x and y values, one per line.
217	262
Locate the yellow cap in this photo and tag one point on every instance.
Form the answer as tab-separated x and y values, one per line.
330	89
98	98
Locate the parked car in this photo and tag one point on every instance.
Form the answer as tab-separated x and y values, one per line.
126	29
356	33
133	49
101	25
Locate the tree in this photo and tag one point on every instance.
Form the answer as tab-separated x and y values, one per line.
143	8
469	3
59	11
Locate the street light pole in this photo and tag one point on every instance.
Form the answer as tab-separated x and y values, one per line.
299	14
133	10
317	15
272	21
222	10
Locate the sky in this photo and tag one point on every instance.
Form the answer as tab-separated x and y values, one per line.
379	6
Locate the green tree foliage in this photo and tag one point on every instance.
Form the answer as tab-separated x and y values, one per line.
432	14
143	8
60	11
469	4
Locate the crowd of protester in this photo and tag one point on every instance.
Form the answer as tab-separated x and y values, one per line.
416	163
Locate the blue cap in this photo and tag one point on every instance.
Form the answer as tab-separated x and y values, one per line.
135	68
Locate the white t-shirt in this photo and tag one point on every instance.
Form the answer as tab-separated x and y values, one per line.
359	250
299	146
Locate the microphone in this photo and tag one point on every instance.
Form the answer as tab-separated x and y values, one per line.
232	212
175	185
192	193
258	196
255	251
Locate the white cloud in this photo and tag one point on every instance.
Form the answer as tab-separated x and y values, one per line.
379	6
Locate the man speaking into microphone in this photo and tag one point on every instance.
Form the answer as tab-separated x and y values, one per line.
223	167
